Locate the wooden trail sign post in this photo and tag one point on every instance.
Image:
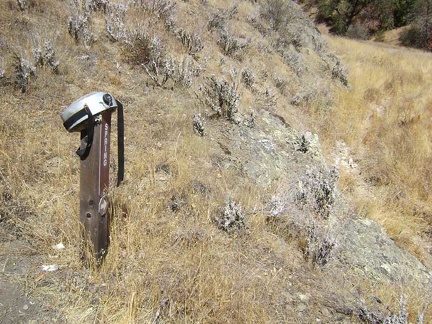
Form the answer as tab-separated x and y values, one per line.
91	116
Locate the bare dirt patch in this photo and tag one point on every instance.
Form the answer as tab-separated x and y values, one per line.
17	302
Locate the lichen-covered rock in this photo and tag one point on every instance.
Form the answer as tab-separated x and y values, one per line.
367	249
343	158
308	142
272	153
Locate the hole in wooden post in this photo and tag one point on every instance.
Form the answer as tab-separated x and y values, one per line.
88	215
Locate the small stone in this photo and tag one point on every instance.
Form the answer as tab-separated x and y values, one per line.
303	298
25	307
325	312
301	307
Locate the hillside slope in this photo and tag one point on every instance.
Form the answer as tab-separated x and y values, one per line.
229	212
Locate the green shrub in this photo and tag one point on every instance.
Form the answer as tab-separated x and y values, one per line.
412	37
357	31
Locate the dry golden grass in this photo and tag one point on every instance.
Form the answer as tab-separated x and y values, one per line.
385	119
168	265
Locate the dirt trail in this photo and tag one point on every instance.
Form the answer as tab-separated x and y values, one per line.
17	303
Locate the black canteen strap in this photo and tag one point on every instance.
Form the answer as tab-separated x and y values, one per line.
120	146
83	152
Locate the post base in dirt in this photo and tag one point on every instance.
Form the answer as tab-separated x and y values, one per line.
94	183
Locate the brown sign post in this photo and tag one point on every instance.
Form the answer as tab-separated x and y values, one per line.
91	115
94	183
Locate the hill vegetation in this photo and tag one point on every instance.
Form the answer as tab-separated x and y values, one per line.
366	18
384	119
261	176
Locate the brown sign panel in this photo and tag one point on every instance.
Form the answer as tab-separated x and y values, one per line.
94	183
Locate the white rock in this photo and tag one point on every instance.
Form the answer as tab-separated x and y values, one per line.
59	246
50	267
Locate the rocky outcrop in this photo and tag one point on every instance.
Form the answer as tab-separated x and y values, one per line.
306	195
370	252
